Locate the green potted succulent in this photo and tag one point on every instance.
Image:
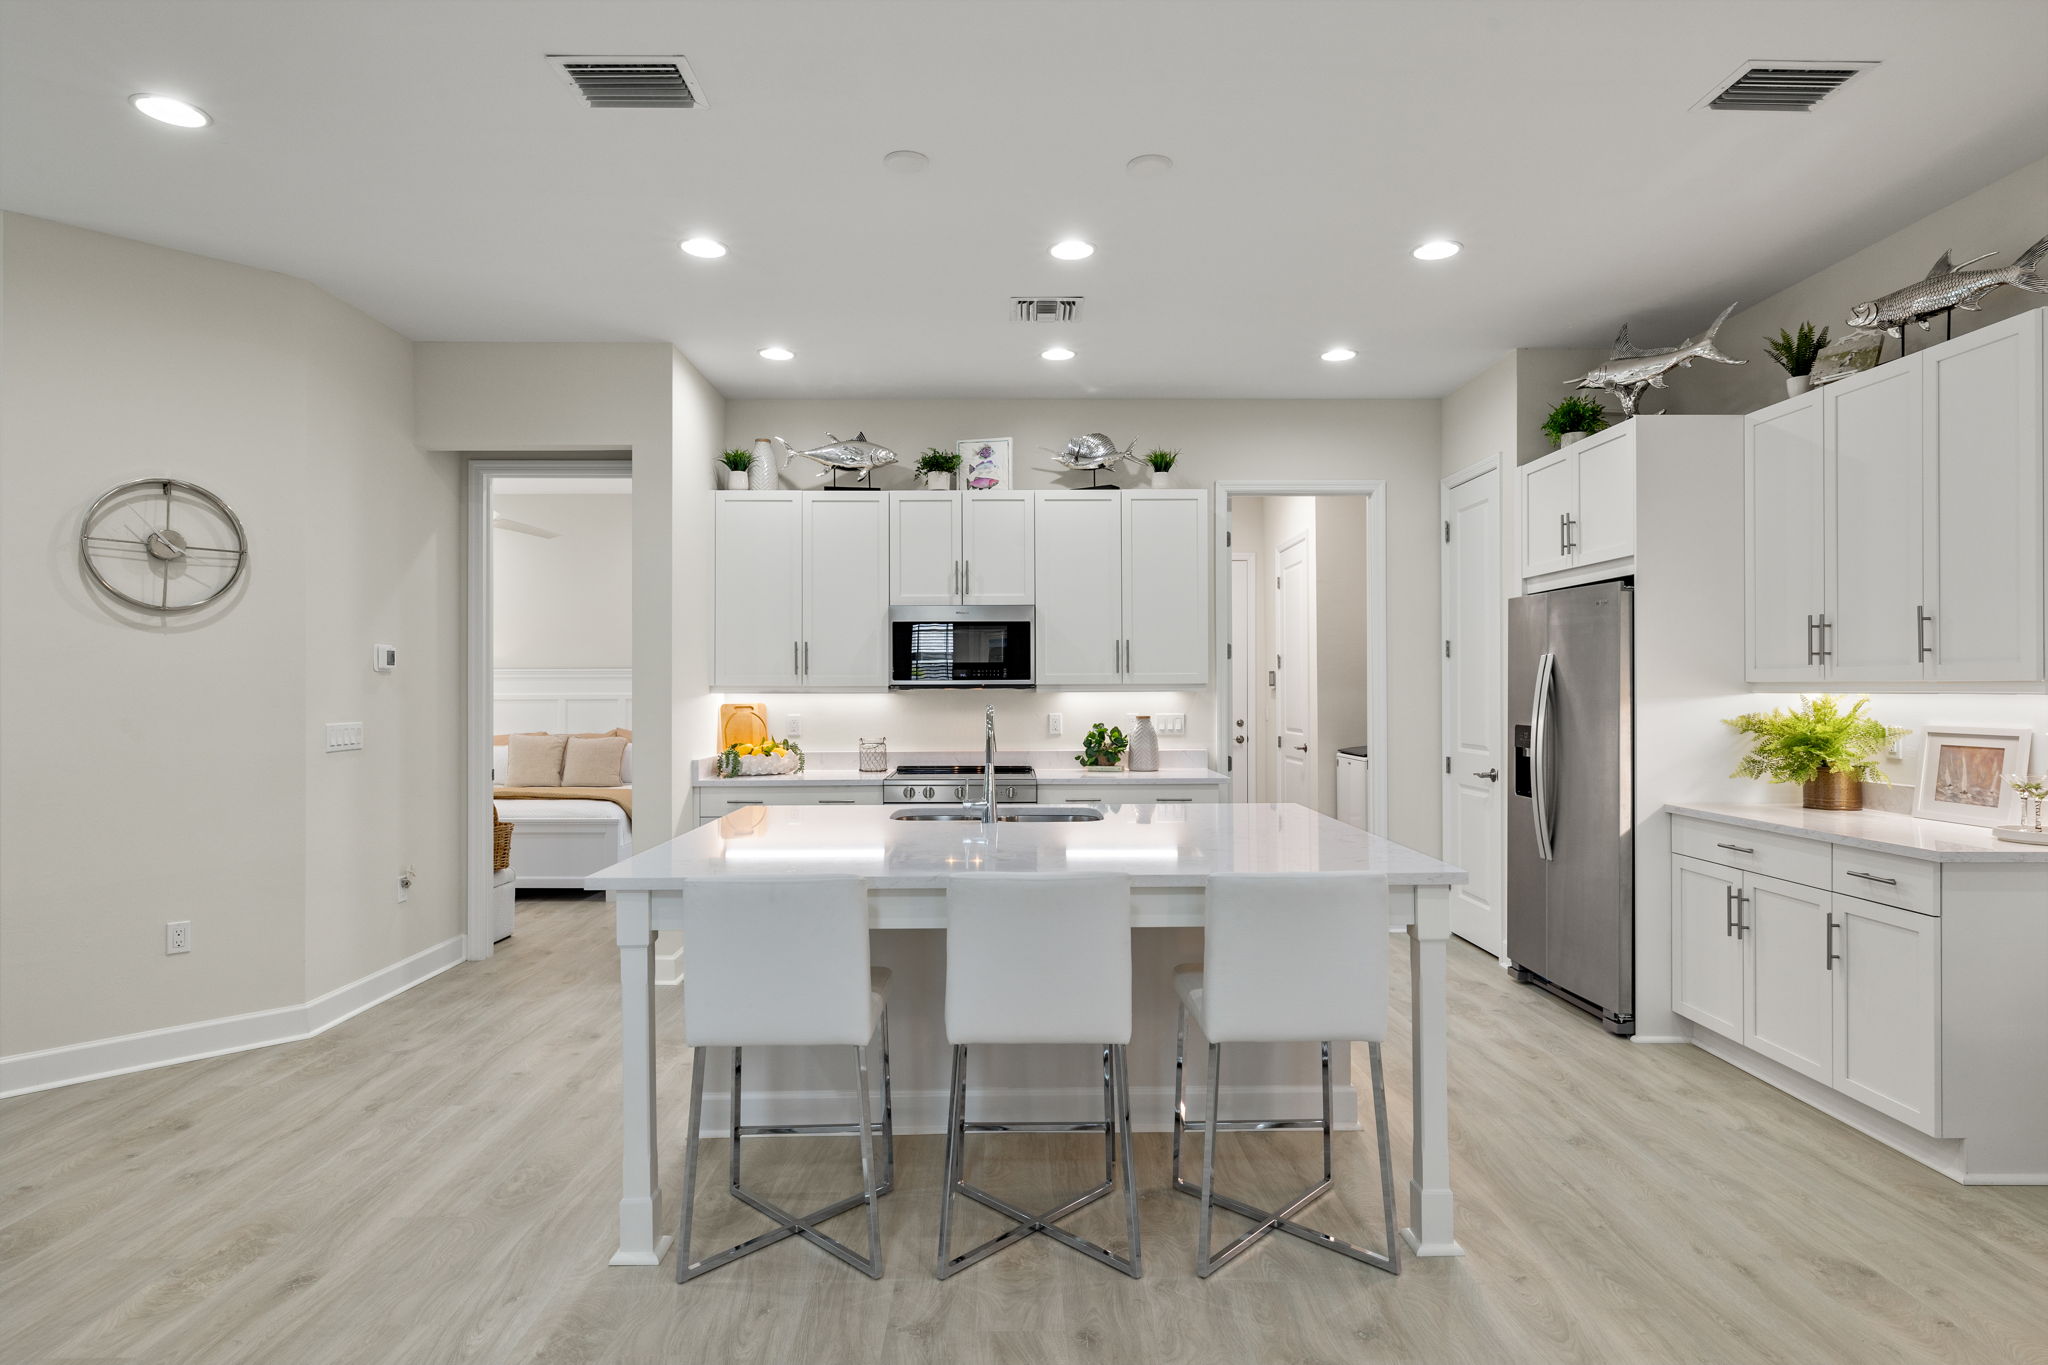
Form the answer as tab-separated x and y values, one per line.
1102	747
1795	353
938	467
736	463
1829	749
1574	419
1162	462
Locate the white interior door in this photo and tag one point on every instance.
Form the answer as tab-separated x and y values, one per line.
1295	631
1244	640
1475	828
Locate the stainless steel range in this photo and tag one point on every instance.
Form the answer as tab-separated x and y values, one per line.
953	783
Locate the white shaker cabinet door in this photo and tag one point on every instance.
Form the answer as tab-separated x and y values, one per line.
924	549
1791	1004
997	548
1706	956
757	607
1604	526
1876	529
1549	501
1887	990
1078	636
1166	588
1982	400
846	590
1786	571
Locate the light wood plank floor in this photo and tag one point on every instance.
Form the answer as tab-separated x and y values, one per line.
435	1181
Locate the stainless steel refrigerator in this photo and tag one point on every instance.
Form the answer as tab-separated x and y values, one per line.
1571	813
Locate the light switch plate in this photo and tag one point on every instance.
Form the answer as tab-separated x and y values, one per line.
1171	723
793	726
1055	724
343	735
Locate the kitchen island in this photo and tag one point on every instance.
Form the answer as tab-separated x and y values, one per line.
1168	851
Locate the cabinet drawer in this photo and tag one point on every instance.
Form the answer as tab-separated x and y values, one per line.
1126	794
1888	878
714	801
1783	856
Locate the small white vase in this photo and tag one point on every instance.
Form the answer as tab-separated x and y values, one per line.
1796	384
736	480
1162	478
939	483
1143	754
1572	438
761	473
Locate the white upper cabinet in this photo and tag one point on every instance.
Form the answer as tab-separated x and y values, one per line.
1079	632
1871	436
1550	488
757	614
924	554
1166	588
1579	504
845	590
1786	575
998	548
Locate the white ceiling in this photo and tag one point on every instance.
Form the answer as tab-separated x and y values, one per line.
422	161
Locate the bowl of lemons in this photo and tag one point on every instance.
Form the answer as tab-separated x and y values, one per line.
768	758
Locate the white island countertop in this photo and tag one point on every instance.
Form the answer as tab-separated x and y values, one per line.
1878	830
1159	846
1066	773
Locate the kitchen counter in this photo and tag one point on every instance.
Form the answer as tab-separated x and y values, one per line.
1049	774
1880	831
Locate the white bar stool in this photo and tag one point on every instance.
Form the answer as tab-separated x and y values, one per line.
1286	959
1040	959
781	962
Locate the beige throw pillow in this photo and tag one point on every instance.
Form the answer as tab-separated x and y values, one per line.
535	760
592	761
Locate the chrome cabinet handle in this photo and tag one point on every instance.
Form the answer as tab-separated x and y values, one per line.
796	658
835	801
1127	656
1921	621
1737	848
1741	924
1174	800
1825	626
1571	533
954	582
1833	956
1728	908
966	577
1873	877
1563	548
807	658
1812	642
1491	774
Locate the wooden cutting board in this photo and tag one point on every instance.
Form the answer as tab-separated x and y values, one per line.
741	723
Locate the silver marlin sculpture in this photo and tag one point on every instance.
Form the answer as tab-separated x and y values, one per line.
1949	286
860	455
1630	369
1093	451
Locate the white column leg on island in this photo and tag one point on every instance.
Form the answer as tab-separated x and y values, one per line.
1429	1190
641	1240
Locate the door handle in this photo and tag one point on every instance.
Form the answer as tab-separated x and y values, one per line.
1491	774
1571	533
1728	906
966	577
807	658
1833	956
1563	546
1812	640
1921	622
1302	748
1825	626
1737	848
1741	904
956	578
1539	757
796	658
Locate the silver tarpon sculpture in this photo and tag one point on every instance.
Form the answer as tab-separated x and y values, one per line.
1950	286
1089	455
860	456
1629	369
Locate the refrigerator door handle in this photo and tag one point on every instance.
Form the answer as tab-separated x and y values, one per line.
1539	758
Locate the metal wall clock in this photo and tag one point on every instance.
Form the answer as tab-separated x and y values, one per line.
163	545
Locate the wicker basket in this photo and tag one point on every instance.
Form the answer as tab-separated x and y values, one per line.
501	844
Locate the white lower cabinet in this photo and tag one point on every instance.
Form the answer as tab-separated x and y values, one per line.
1887	1009
716	800
1128	793
1790	1013
1706	957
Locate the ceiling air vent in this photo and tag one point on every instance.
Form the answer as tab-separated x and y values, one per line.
1046	310
1781	87
631	82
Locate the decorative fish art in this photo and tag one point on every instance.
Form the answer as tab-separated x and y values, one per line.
1089	455
1630	369
1949	286
860	456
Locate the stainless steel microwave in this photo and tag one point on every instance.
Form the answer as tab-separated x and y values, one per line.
960	647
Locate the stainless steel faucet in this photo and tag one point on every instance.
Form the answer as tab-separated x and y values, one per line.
988	769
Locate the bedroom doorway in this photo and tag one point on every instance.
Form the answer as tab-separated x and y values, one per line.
550	622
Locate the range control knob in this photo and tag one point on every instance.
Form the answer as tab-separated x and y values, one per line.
909	792
927	793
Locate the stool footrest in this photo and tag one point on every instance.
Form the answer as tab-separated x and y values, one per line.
1084	1126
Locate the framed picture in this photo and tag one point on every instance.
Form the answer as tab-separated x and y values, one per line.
1962	774
984	463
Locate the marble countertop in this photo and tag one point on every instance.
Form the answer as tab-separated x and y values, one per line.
1169	846
1064	771
1882	831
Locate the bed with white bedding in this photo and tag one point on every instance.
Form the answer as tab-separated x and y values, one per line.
558	842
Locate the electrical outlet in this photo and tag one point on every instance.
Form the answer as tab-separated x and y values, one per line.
794	726
1055	724
405	881
1171	723
343	735
177	936
1895	753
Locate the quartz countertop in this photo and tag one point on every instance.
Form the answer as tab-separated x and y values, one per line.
1065	772
1169	846
1882	831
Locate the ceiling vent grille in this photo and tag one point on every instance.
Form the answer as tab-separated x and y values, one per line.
1066	309
1782	87
631	82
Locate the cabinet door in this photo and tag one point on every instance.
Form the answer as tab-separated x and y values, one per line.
924	549
1079	572
1604	525
1790	1014
1982	400
1888	1010
1871	431
1785	574
997	548
1166	588
846	590
1706	956
757	598
1549	497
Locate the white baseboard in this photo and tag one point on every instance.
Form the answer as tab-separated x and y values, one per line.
924	1111
90	1061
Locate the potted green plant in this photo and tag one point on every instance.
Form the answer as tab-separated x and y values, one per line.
1162	462
736	463
938	467
1102	747
1829	749
1574	419
1795	353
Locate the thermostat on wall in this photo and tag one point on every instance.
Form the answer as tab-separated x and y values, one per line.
384	658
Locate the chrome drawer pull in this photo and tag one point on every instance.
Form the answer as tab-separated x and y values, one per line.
1873	877
847	802
1737	848
1173	800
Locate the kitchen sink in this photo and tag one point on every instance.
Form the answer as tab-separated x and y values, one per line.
1024	815
935	813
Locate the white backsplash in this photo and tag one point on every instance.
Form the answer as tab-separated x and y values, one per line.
943	720
1916	711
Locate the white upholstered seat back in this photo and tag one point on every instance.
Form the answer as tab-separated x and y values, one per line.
775	960
1038	959
1295	958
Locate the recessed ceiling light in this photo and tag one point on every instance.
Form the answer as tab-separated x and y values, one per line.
706	247
164	109
1148	166
1440	249
777	353
1072	249
1337	353
906	162
1056	353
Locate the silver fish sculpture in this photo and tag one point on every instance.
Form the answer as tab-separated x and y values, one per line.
860	456
1093	451
1950	286
1629	369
